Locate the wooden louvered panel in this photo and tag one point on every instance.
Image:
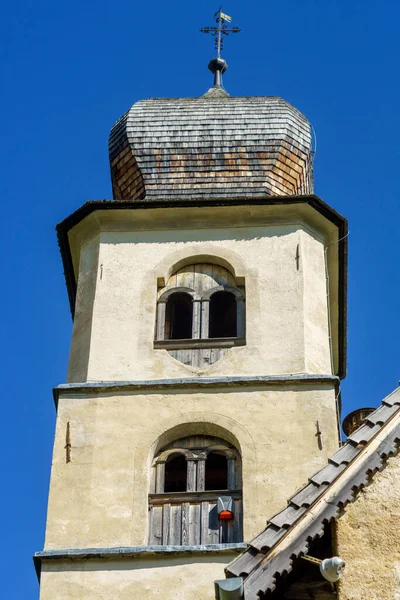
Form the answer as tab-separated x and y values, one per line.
192	522
199	357
156	532
175	525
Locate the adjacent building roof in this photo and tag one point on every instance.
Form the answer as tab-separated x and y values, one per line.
211	147
289	534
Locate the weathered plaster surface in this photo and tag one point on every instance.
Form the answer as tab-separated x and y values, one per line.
368	539
175	578
99	499
286	303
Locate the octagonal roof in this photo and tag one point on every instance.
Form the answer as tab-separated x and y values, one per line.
212	146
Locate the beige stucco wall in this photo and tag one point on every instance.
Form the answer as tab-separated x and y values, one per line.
368	537
286	302
163	578
99	499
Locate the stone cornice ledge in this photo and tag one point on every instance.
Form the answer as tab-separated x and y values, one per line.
96	387
132	552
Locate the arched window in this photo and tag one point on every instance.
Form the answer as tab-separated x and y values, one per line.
223	315
189	476
179	316
200	314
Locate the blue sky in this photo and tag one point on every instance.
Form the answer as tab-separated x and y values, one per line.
69	70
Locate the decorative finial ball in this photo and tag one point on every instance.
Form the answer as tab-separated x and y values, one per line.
218	64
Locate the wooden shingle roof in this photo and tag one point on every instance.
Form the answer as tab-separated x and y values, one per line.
289	534
212	146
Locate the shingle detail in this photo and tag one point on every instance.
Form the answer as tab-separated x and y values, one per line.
381	415
246	562
328	474
287	516
345	454
364	433
306	496
268	538
211	146
290	532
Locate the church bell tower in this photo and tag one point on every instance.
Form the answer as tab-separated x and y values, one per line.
208	343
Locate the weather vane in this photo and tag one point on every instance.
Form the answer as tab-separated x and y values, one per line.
221	30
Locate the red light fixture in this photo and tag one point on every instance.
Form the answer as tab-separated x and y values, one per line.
225	515
225	508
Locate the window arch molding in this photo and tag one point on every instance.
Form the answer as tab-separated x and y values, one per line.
166	454
205	253
221	449
223	288
166	293
226	451
170	431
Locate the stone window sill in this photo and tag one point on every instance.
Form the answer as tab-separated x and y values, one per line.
203	343
208	495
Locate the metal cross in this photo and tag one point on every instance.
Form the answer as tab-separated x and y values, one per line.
221	30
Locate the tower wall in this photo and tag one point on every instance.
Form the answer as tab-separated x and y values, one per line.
280	259
273	398
114	437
